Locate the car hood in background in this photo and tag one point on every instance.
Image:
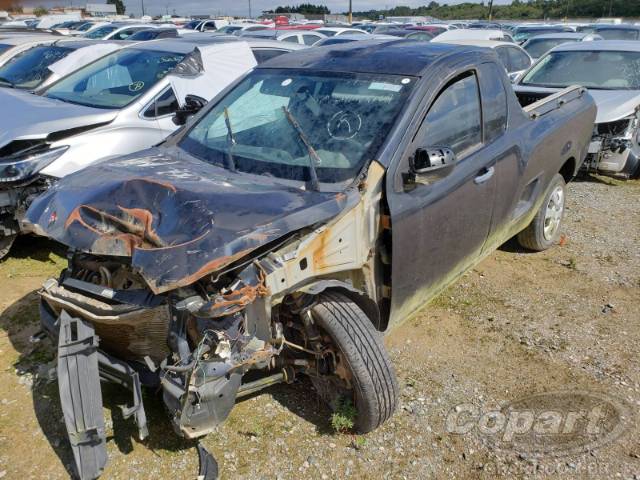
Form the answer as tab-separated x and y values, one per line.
178	218
25	115
612	104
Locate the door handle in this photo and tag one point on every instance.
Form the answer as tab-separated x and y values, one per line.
488	173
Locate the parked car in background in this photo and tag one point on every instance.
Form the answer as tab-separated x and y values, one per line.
337	31
609	70
116	31
432	29
271	235
473	34
233	29
618	32
30	69
153	34
15	44
523	33
121	103
514	59
484	26
541	44
265	49
409	34
346	38
303	37
206	25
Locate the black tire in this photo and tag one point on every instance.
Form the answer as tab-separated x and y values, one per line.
534	236
5	245
375	388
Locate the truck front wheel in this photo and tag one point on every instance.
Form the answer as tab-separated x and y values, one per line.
544	231
361	370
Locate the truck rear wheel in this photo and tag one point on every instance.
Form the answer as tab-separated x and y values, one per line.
544	230
361	360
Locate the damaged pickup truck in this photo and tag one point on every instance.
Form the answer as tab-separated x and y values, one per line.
317	202
611	71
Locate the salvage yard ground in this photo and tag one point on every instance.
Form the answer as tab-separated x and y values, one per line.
516	325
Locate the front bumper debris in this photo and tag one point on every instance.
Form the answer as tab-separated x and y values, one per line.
81	395
81	367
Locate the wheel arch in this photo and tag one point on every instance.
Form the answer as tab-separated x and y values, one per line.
368	306
569	169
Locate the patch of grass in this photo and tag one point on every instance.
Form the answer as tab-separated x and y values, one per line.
343	418
358	442
33	257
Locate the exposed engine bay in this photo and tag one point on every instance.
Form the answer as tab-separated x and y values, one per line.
237	328
615	147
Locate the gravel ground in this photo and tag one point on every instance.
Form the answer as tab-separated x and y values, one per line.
518	324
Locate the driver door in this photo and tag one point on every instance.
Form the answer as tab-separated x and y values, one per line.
440	220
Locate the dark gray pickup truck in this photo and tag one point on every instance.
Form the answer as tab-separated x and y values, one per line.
318	201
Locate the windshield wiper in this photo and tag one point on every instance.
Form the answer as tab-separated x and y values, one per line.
231	141
313	155
8	83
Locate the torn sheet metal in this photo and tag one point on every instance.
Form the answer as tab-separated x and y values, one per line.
178	218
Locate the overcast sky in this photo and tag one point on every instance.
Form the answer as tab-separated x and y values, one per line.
236	7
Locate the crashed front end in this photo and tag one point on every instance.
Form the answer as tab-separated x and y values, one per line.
615	147
20	182
181	296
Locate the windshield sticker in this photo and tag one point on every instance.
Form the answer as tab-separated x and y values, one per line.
136	86
405	81
389	87
286	82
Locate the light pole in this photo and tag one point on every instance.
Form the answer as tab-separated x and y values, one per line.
490	9
142	3
350	12
249	8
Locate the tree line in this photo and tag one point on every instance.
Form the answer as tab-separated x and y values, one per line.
518	9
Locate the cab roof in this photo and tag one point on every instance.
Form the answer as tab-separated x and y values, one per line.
399	57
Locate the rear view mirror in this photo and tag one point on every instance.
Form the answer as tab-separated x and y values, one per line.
430	159
192	105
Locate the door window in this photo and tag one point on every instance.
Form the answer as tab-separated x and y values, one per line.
165	104
291	39
518	60
310	39
503	55
494	101
454	119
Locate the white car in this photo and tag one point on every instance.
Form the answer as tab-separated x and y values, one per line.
237	29
472	34
606	69
116	31
124	102
13	45
512	56
335	31
302	37
44	63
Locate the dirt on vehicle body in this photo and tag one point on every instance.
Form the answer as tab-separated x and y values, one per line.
270	239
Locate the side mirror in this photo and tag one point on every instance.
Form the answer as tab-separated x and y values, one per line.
192	105
430	159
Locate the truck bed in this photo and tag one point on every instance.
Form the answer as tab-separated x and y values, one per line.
539	104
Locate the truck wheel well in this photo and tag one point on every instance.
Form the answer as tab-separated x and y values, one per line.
568	170
368	306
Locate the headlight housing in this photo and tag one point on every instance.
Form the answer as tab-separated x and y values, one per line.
16	169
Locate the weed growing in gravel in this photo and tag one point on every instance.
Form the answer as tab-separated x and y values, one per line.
344	417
